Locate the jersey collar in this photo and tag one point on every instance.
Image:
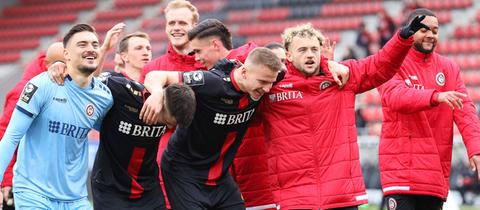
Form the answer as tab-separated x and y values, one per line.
92	85
234	82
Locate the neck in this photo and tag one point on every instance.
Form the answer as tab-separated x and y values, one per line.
132	73
224	53
81	79
183	50
237	76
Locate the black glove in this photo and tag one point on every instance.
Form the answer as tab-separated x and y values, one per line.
416	24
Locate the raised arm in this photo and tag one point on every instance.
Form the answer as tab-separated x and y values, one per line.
374	70
110	41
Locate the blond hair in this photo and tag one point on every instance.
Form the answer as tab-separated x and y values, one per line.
303	31
178	4
264	56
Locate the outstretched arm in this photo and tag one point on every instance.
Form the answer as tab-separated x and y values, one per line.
374	70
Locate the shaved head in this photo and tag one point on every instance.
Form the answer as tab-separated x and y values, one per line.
54	53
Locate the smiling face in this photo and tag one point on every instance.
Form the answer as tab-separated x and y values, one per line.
426	40
82	52
179	22
258	80
304	53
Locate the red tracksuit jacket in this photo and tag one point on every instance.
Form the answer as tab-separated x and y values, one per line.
309	122
416	141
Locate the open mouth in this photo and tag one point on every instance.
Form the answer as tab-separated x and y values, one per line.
310	63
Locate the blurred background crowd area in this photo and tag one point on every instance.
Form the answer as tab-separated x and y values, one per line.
359	27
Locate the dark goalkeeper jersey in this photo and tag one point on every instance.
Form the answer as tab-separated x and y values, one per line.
126	158
205	150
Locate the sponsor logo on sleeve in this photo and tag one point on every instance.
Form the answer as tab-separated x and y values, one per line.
193	78
28	92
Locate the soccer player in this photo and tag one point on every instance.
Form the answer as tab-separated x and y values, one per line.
420	105
37	66
310	122
196	162
250	167
125	172
51	123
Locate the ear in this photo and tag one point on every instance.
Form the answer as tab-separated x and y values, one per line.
214	43
243	72
289	56
124	57
66	55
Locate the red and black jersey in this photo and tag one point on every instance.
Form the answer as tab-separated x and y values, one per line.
126	158
205	150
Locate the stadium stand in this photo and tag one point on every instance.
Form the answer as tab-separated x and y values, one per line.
261	21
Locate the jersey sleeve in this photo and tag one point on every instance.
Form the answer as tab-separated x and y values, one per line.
17	128
33	95
202	82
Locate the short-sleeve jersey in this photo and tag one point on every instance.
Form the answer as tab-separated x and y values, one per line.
53	154
126	157
205	150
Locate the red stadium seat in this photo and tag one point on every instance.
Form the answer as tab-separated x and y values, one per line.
136	3
9	57
273	14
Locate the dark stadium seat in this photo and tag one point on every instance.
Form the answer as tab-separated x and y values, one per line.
304	12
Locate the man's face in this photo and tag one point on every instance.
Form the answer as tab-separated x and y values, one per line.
304	53
426	40
258	80
138	54
206	51
179	22
82	52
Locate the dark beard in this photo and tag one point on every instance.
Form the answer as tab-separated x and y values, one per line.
419	48
86	71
